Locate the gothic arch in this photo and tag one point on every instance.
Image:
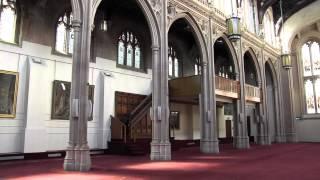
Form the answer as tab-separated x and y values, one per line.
255	62
149	16
198	35
231	49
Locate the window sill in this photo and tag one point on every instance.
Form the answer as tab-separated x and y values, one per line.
131	68
10	43
54	52
310	117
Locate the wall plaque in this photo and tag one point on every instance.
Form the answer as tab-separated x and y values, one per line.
8	93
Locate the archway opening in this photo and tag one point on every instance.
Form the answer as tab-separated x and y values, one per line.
121	49
253	95
271	102
226	89
185	70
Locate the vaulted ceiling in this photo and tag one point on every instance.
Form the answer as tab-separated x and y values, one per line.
290	7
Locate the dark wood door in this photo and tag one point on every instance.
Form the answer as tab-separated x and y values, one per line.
228	128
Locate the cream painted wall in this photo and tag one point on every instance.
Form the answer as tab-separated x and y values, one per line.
33	130
189	121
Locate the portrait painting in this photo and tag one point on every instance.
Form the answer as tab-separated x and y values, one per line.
8	94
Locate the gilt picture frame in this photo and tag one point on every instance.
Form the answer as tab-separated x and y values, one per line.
8	93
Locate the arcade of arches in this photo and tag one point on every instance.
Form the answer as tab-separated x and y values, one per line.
148	77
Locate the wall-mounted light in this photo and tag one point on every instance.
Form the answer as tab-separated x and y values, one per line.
286	61
234	30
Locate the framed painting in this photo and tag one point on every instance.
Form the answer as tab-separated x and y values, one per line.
174	120
61	100
8	93
60	109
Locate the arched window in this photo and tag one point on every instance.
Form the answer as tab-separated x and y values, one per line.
65	34
129	50
250	15
311	73
8	20
173	63
269	27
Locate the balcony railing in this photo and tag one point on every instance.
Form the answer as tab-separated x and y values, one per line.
227	87
253	93
190	87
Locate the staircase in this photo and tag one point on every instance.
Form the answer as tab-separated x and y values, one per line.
136	130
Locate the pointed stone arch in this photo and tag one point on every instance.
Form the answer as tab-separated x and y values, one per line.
196	31
255	62
231	49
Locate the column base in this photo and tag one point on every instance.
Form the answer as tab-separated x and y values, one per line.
280	139
160	151
209	147
69	160
292	138
77	159
241	142
264	140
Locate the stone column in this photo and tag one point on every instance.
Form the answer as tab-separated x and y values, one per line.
263	124
160	145
78	152
291	129
209	137
241	139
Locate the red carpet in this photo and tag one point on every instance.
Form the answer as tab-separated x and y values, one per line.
282	161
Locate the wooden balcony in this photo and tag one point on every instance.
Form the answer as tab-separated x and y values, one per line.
190	87
253	93
185	87
227	87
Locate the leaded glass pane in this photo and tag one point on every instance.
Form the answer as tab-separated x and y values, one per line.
176	67
315	53
129	55
196	71
137	58
306	61
170	66
121	51
61	38
310	97
71	40
317	87
7	24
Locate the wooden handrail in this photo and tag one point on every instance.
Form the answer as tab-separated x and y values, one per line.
148	98
227	85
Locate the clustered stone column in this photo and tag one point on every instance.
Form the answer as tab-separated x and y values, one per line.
209	137
241	139
160	145
78	152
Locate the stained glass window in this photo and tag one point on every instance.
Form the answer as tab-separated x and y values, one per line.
65	34
129	50
310	54
8	20
173	63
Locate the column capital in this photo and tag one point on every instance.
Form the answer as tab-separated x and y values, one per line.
76	24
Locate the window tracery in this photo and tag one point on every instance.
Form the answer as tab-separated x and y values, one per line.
65	34
129	50
173	63
311	75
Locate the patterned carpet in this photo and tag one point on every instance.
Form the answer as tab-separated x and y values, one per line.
281	161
